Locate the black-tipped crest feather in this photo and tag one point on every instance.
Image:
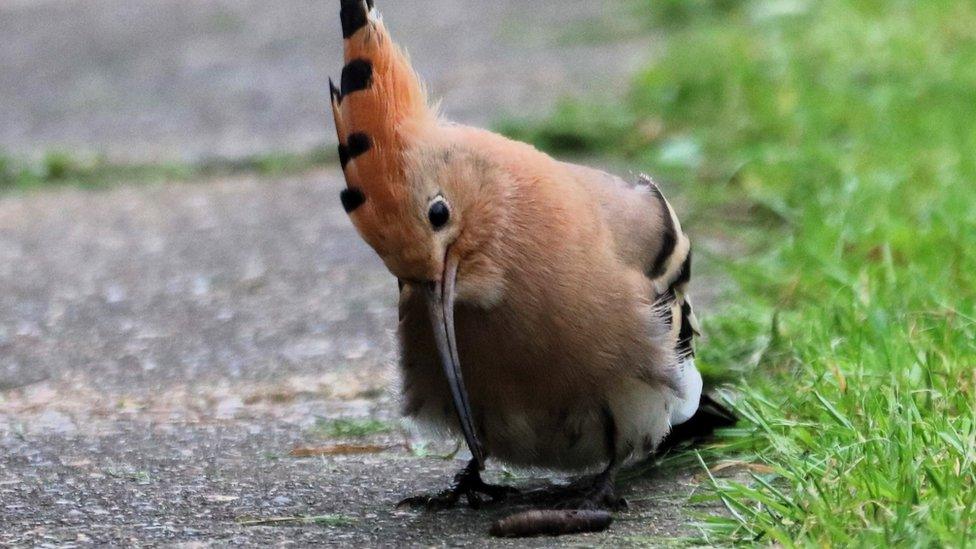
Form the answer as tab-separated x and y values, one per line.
353	15
359	143
356	75
352	198
334	92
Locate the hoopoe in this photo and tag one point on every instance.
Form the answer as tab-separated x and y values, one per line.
544	314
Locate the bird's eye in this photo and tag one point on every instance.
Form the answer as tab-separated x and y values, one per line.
439	213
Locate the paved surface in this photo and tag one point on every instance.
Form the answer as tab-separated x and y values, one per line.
164	348
184	79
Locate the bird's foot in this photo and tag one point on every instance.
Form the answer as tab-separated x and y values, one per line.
603	496
600	494
467	484
587	493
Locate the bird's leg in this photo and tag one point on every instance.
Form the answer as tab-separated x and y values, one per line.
583	507
600	492
467	483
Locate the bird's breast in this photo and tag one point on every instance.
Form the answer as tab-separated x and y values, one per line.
541	368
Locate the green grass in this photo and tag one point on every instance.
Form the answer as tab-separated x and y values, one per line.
834	143
65	168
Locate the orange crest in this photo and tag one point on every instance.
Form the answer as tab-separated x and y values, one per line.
379	105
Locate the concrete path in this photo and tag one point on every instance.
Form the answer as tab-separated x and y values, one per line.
180	80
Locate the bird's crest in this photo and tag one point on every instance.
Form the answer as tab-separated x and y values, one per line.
378	106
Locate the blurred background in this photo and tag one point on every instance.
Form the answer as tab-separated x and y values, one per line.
195	345
148	81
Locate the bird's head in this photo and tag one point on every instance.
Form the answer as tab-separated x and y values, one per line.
428	203
445	217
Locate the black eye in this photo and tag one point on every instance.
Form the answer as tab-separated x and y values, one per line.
439	214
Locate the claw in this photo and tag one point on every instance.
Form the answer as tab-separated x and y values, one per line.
468	484
602	496
587	494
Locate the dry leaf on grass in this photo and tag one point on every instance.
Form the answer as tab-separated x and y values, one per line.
754	467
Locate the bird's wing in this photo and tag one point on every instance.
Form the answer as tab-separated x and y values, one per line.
648	237
645	228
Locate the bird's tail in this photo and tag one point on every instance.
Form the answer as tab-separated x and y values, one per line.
711	415
378	103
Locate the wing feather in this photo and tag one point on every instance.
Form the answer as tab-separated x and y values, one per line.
648	237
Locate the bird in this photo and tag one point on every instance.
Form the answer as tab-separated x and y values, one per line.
544	313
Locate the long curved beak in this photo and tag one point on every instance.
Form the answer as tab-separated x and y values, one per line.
440	303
